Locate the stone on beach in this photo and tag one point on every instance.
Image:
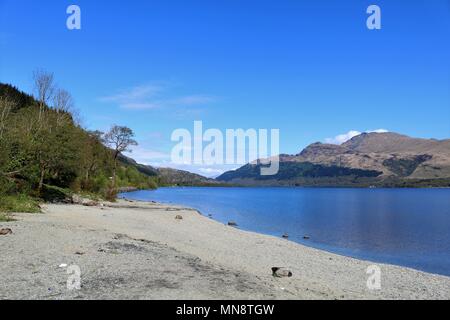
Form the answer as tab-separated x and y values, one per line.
178	217
90	204
6	231
281	272
232	224
76	199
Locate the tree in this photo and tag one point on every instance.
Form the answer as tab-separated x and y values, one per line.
5	110
94	155
119	139
63	104
44	87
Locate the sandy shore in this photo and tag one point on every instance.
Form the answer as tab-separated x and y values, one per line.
140	251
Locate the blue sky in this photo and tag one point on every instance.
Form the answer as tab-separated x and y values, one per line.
309	68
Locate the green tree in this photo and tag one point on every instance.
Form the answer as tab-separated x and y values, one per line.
119	139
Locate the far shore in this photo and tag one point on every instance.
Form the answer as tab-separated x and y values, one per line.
143	250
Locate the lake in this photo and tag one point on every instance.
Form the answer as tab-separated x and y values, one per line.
408	227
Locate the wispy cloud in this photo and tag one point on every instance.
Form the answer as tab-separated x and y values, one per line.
197	99
147	156
342	138
153	96
134	94
140	105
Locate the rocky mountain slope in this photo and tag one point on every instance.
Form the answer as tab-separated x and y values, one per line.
385	159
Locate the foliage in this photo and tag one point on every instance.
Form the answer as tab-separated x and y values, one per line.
55	194
405	167
296	170
45	154
119	139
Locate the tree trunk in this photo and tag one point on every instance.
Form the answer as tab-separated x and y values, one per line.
41	181
115	168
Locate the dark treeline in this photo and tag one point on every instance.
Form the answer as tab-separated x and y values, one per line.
43	149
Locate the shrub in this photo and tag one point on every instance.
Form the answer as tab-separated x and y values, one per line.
55	194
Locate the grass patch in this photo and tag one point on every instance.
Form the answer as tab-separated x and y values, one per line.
5	217
17	203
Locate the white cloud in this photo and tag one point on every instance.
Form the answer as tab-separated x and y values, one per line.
154	96
342	138
378	131
211	171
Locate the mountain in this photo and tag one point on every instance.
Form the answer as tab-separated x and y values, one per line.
380	159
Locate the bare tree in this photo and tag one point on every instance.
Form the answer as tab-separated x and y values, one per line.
119	139
63	104
44	87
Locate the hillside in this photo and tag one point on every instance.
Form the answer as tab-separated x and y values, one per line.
45	153
380	159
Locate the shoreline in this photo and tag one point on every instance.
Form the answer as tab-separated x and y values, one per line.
139	250
285	239
375	258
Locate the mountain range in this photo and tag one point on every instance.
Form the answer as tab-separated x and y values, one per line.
370	159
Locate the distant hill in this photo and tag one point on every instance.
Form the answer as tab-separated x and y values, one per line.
169	176
147	170
379	159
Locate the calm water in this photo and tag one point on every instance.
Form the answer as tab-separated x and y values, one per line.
409	227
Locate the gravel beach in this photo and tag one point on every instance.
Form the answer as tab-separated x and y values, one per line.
139	250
